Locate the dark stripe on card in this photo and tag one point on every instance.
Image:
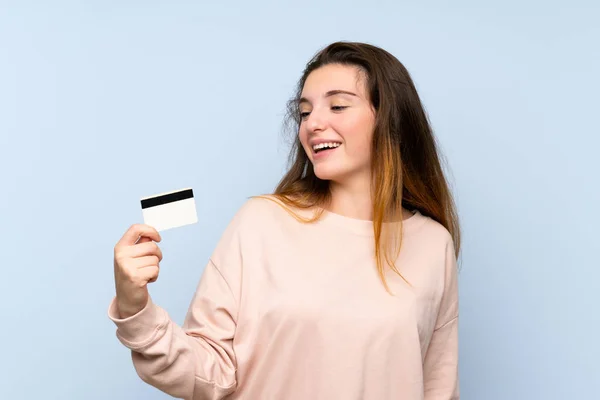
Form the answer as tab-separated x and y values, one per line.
167	198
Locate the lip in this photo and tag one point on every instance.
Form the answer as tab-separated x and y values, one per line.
315	142
324	153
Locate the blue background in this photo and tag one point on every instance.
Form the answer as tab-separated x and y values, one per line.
104	102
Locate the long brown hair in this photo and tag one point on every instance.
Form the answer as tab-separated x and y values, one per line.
406	166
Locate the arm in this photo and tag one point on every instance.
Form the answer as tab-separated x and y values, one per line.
441	361
195	361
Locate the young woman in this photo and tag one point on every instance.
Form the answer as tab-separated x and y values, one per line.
340	285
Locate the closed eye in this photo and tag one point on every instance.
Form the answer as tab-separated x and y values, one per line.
305	114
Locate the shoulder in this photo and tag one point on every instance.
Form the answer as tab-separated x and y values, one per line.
251	220
424	225
258	216
261	209
431	248
443	251
434	236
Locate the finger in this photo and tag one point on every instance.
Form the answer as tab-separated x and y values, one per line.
138	232
150	274
146	261
148	248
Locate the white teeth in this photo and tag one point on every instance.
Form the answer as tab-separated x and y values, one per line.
331	145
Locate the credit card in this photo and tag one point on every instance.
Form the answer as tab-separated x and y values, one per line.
170	210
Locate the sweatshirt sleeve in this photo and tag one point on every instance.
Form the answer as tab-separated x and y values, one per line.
441	361
193	361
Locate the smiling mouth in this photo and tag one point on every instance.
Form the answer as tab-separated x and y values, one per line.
318	148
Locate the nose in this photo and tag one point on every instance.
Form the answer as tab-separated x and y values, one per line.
316	122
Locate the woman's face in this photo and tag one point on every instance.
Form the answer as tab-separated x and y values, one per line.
337	123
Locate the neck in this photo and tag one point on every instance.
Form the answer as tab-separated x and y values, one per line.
354	200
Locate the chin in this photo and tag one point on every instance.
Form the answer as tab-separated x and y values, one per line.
329	173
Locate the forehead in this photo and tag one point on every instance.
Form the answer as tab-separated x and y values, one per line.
334	77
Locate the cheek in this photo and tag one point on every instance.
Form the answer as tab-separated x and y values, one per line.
303	137
358	136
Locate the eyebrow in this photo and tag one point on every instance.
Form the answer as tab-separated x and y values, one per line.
328	94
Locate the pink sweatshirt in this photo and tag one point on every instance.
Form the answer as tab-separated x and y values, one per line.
286	310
